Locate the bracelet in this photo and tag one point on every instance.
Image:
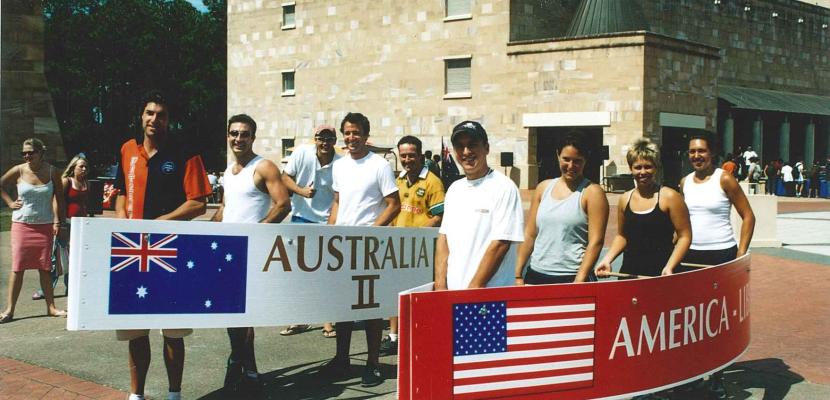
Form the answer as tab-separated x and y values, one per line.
520	277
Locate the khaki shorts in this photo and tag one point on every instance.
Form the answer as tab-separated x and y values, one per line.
130	334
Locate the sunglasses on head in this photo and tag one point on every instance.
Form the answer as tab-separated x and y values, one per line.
327	139
28	153
241	134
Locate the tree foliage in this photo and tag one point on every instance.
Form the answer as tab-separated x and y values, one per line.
103	55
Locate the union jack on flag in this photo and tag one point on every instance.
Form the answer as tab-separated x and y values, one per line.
143	253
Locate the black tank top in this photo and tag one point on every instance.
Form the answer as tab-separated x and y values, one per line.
649	240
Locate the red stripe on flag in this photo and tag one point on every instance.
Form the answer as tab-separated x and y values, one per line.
542	317
523	375
525	391
549	302
545	331
520	361
549	345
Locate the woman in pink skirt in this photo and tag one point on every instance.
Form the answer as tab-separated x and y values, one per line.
37	217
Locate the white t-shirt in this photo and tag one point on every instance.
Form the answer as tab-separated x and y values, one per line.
800	167
787	173
749	154
476	213
304	166
362	185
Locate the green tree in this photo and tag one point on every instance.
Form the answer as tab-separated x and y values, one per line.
103	55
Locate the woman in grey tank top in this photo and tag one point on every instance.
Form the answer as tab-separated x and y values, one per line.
566	224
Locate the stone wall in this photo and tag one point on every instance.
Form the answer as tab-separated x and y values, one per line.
26	104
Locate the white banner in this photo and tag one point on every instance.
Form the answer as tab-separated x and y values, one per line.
127	274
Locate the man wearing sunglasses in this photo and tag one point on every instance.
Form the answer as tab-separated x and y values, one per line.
158	178
308	176
254	193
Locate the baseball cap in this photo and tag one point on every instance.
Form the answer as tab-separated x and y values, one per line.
472	128
325	130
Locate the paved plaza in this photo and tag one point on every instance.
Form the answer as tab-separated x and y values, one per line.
787	358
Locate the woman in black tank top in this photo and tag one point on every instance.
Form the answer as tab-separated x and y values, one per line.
648	216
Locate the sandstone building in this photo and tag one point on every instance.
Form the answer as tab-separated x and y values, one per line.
756	72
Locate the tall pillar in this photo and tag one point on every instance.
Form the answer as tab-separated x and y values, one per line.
758	136
728	135
826	139
809	143
784	140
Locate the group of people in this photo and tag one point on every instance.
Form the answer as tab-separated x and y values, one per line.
483	239
746	166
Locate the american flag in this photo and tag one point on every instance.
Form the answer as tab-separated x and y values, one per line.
196	274
522	347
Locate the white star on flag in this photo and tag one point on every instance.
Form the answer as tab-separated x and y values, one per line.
214	246
142	292
228	257
208	303
190	264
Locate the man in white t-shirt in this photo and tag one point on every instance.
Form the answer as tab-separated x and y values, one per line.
747	155
365	194
307	175
482	219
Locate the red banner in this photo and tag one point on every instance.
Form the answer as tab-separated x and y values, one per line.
611	339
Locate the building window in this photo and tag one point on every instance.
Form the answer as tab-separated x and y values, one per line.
288	15
457	77
288	83
287	147
458	9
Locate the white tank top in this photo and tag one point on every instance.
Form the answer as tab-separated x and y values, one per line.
243	201
709	211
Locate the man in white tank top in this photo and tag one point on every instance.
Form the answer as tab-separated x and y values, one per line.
254	193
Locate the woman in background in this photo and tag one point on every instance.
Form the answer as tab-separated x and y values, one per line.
37	217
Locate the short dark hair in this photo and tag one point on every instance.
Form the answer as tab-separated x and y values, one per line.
576	140
409	139
357	119
428	153
245	119
155	96
707	137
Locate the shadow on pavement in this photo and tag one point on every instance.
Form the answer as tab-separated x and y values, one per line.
302	382
772	375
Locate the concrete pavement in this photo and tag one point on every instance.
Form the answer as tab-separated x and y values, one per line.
786	360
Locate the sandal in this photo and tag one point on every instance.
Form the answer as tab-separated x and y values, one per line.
5	318
329	334
294	329
59	313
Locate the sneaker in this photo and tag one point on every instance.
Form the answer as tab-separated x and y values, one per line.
371	376
38	295
388	346
233	376
335	369
716	389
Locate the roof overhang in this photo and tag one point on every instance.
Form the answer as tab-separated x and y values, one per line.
773	100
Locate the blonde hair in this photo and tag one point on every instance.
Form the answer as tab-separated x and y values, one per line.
36	144
646	150
70	169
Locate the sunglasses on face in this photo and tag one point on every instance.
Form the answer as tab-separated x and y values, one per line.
241	134
27	153
326	139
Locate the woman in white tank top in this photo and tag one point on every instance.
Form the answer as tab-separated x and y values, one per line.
710	195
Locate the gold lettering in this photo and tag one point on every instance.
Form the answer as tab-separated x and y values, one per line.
301	254
280	247
362	292
336	253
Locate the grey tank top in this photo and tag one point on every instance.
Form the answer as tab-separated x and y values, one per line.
37	203
561	232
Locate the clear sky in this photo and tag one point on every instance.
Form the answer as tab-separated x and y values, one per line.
198	4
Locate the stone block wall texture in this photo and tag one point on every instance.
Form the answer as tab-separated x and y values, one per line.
24	95
386	59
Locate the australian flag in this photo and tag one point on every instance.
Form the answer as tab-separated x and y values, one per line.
158	273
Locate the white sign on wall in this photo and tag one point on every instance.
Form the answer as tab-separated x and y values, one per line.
127	274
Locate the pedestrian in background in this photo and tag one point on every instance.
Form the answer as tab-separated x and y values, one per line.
788	179
38	215
566	223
